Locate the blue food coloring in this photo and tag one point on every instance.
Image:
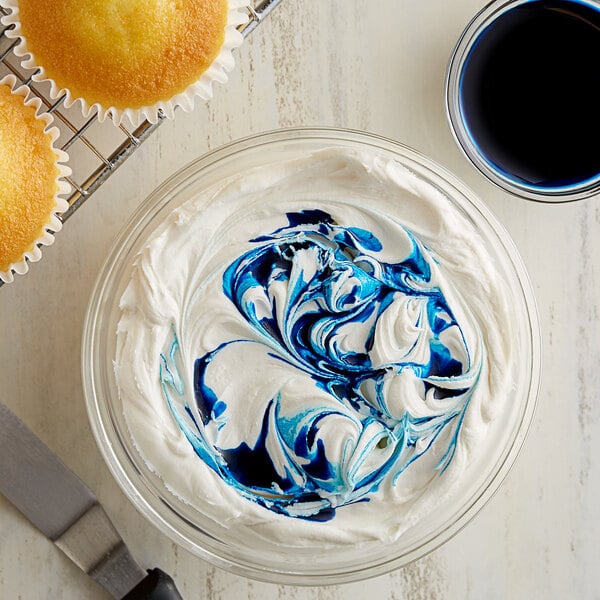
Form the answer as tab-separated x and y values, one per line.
335	283
529	93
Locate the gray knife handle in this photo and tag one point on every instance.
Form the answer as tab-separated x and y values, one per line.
157	585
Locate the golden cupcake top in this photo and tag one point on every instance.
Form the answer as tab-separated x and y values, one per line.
124	53
28	178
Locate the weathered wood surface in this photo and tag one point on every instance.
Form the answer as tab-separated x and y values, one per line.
377	66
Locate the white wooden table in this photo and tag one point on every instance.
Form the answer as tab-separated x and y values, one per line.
376	65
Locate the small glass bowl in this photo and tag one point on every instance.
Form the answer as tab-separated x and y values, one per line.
464	138
313	566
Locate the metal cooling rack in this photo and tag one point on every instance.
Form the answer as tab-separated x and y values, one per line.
95	149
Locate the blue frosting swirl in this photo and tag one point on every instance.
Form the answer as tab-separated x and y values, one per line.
318	302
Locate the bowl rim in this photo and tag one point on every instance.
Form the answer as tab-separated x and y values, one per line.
460	131
151	509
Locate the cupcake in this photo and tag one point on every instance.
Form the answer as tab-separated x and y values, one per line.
128	58
31	180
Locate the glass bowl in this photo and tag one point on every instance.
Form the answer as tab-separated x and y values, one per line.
471	139
182	523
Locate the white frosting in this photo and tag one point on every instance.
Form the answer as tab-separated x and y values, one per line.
176	293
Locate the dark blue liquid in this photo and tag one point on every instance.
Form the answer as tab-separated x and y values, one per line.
530	93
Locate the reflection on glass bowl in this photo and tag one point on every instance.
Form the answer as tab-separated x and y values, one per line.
311	356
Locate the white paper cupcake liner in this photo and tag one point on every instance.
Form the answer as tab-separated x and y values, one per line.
217	71
63	188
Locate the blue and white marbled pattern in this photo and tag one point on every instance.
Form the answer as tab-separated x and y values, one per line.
352	368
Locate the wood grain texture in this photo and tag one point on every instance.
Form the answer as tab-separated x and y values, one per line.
377	66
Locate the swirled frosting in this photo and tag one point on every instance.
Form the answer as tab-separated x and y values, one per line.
313	348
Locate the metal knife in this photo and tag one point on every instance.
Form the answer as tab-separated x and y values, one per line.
66	511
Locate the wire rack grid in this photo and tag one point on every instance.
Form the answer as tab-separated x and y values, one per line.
95	149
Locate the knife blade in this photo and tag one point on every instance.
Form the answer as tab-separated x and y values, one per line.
66	511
